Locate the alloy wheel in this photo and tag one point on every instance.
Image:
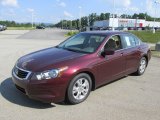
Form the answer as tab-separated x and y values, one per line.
142	66
80	89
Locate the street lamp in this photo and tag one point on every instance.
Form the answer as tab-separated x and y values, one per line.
71	27
156	2
80	10
88	22
32	14
32	19
137	22
62	24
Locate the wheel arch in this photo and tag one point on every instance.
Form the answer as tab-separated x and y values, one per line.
87	71
79	72
92	78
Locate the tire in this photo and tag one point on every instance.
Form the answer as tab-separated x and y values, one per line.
79	88
142	66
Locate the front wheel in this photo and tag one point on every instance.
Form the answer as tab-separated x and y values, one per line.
142	66
79	88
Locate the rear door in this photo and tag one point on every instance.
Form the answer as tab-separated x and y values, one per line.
132	52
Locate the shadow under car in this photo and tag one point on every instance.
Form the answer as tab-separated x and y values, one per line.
10	93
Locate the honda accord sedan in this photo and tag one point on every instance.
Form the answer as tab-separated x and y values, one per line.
80	64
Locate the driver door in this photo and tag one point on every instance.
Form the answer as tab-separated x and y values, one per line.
111	67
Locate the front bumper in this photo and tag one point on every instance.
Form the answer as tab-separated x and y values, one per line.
45	90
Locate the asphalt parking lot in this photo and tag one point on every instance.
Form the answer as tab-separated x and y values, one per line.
130	98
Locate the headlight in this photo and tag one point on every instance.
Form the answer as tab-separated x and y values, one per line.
49	74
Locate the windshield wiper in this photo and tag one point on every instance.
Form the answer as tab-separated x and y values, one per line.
78	51
71	50
57	46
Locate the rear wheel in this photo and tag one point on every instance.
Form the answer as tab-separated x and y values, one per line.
142	66
79	88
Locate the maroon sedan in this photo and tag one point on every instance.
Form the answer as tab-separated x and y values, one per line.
80	64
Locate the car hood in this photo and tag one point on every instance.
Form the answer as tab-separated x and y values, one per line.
46	59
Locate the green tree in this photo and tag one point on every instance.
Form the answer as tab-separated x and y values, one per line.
102	16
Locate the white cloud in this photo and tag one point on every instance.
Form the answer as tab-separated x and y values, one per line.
11	12
126	3
150	7
157	1
67	14
79	7
119	3
30	10
62	4
11	3
125	6
134	9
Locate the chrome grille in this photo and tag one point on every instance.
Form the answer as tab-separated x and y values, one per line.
21	74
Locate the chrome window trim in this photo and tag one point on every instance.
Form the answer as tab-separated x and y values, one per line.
127	48
26	78
121	43
107	41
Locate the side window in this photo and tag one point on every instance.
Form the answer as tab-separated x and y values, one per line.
114	43
98	39
94	42
129	41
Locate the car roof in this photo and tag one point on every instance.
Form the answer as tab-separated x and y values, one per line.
105	32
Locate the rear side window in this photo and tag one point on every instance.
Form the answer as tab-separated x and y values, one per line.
129	41
138	41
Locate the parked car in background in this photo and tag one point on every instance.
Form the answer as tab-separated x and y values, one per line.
40	27
157	28
3	27
131	28
80	64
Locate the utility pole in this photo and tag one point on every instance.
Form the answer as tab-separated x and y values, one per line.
137	22
32	18
113	15
80	9
71	26
88	22
62	23
156	2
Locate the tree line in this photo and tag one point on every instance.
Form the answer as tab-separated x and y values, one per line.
83	22
89	20
14	24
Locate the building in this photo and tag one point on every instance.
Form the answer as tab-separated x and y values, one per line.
121	22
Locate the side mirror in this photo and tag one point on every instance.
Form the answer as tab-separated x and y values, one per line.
108	52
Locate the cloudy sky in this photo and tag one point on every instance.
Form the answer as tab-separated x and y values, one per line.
54	10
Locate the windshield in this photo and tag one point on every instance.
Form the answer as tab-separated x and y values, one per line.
83	42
